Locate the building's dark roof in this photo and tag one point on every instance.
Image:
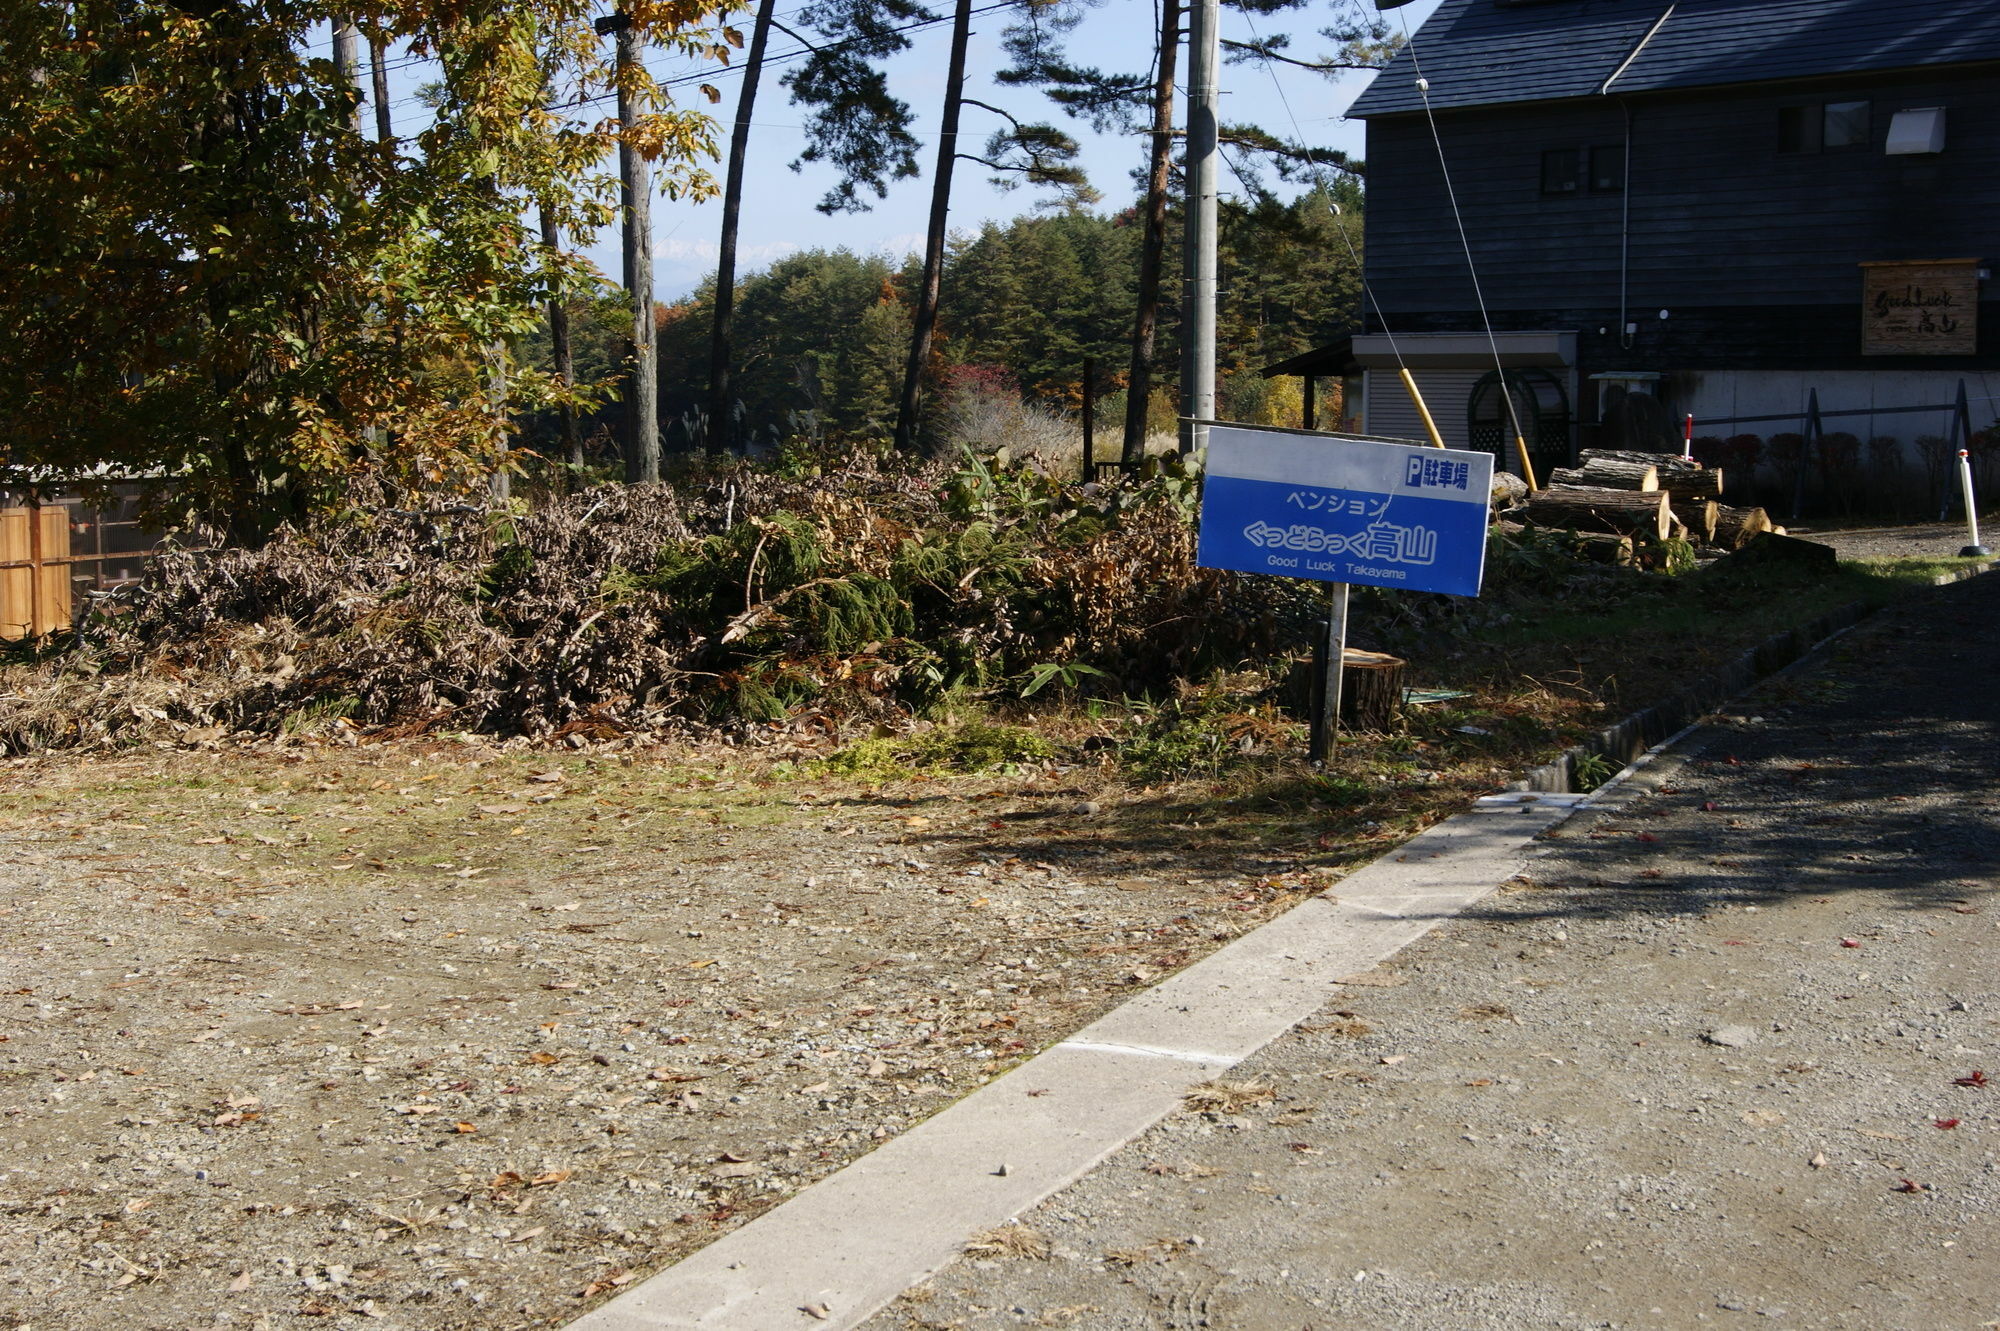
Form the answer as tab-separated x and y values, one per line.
1482	52
1331	359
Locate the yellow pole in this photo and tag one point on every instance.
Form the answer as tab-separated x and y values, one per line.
1430	426
1527	468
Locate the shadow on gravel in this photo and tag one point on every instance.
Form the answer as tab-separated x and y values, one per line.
1877	771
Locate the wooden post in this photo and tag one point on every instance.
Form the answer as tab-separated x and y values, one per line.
1312	407
1089	419
34	566
1326	691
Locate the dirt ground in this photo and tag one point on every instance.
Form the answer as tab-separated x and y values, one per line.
1727	1055
440	1034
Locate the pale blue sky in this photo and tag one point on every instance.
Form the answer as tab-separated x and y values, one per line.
778	212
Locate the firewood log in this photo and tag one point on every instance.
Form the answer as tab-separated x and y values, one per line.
1622	512
1735	526
1610	474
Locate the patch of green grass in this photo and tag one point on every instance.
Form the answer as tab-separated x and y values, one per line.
961	748
1910	570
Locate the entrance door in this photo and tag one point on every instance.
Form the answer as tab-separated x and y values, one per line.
1542	408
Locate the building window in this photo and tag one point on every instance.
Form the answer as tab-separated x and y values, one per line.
1562	171
1845	125
1607	169
1798	129
1809	129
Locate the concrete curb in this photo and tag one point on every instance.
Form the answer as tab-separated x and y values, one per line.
838	1252
851	1243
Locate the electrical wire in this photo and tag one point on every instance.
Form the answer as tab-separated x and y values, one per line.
1499	369
1319	183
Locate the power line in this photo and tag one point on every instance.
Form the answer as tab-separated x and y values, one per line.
1319	182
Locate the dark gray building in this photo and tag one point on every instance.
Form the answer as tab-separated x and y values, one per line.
1725	203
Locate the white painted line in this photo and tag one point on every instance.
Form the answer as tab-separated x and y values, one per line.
1142	1051
852	1242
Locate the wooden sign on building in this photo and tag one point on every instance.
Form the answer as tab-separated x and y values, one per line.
1924	307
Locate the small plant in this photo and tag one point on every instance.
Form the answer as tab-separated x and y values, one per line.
967	747
1588	771
1067	675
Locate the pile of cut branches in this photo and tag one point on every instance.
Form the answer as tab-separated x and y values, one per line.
732	595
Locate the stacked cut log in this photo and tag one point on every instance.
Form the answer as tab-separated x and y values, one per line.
1691	489
1609	474
1600	547
1620	512
1735	526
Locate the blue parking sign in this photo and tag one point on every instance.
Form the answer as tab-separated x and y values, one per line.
1345	510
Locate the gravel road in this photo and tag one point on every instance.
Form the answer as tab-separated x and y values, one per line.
1716	1060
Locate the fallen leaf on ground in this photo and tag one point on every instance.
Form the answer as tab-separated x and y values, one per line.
1009	1241
1376	979
1227	1097
1975	1078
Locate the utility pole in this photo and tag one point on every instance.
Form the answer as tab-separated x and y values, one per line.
1198	337
720	346
378	69
347	62
642	404
911	407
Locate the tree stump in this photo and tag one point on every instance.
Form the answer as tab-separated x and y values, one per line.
1508	490
1772	548
1621	512
1371	689
1734	527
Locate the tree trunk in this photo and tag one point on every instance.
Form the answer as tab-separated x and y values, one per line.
1509	490
1735	526
925	321
1609	474
642	405
347	61
721	426
1624	512
560	352
1371	689
1152	253
379	75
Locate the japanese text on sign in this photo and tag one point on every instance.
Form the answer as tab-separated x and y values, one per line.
1341	510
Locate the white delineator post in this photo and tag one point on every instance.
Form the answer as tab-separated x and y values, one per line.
1973	549
1687	438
